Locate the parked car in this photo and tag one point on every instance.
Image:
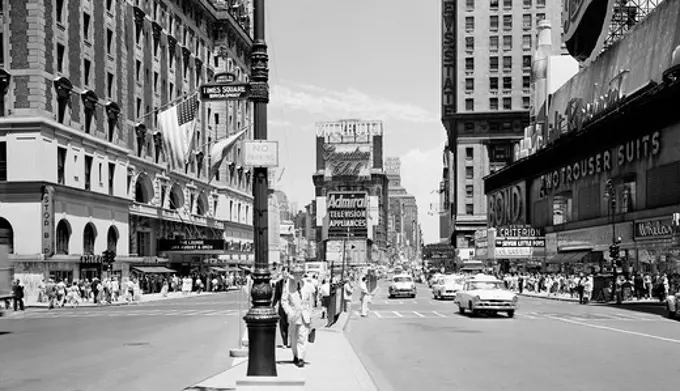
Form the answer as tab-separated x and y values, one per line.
486	294
446	287
673	305
402	285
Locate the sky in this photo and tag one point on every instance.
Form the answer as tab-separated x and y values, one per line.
364	59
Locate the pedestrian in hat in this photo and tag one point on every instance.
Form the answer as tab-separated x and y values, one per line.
297	302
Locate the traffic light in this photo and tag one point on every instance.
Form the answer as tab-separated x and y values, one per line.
614	251
109	256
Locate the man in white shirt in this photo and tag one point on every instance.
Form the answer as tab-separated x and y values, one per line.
297	302
364	296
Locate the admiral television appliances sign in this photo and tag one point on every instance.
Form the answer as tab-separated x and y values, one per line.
347	214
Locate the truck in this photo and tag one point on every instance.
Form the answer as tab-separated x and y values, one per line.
318	268
6	278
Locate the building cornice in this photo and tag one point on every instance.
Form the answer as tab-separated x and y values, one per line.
36	187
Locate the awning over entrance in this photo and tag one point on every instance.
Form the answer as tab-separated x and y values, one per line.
569	257
154	269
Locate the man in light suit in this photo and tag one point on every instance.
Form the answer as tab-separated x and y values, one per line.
297	302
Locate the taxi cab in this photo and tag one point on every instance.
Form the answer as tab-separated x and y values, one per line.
486	294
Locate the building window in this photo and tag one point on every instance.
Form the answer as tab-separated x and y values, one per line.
507	103
143	244
86	26
469	85
469	64
493	64
526	102
493	43
469	191
507	22
507	4
88	172
527	3
493	23
540	3
469	153
469	173
493	103
469	104
109	41
526	62
526	22
493	83
60	57
469	209
469	24
112	176
63	237
470	43
526	42
539	18
138	70
86	71
109	84
61	165
470	5
3	161
493	5
89	236
526	81
507	64
507	42
60	10
507	83
108	5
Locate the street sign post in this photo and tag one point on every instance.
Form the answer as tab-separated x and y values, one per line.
261	153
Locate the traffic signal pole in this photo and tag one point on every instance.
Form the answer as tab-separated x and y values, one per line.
614	248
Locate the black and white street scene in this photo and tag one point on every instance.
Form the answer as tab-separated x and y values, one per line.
357	195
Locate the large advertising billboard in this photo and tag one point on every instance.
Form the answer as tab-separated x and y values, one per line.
351	159
347	214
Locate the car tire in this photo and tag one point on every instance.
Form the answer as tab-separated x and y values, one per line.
461	310
473	312
511	314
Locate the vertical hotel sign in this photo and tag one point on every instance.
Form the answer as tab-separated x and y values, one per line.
448	58
347	215
47	221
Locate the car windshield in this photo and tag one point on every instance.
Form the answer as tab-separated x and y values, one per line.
493	285
454	280
403	279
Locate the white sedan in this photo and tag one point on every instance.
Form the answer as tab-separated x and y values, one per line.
446	287
488	295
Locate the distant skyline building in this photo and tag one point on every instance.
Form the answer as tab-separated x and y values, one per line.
403	224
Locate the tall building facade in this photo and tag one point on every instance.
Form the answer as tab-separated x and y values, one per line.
85	167
351	192
487	52
403	220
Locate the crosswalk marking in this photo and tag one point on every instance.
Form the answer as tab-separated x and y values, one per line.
438	314
533	316
419	314
398	314
378	314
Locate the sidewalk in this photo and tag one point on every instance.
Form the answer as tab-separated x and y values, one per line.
332	364
150	297
567	297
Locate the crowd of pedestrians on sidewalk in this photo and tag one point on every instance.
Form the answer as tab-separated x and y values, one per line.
629	287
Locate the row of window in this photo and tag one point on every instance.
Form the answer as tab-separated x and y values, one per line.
494	62
494	83
494	103
494	22
494	42
494	5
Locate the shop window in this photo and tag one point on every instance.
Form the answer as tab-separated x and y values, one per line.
62	275
562	207
63	237
626	196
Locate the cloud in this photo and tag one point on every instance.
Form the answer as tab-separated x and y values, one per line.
420	175
346	104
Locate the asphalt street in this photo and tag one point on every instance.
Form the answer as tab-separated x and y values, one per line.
424	344
164	345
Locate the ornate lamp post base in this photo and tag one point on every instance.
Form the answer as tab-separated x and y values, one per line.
262	320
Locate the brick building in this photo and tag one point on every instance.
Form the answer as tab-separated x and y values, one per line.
82	164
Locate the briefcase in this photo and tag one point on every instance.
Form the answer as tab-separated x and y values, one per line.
312	336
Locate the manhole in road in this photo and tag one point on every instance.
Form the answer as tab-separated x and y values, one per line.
136	344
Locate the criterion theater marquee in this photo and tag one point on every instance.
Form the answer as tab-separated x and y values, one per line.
632	151
347	214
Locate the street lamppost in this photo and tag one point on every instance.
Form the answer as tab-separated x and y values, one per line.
614	251
261	318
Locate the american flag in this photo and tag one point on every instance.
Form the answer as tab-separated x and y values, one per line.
177	125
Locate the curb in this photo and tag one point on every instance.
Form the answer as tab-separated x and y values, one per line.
124	303
565	299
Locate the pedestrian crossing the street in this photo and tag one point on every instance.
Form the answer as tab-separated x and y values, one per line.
127	312
441	314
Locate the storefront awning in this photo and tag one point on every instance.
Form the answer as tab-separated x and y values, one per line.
569	257
154	269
